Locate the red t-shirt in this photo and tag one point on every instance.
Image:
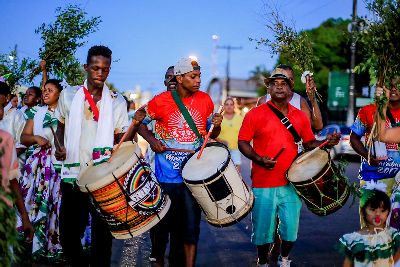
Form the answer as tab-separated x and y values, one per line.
170	124
269	135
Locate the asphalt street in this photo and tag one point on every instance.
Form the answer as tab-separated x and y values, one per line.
231	246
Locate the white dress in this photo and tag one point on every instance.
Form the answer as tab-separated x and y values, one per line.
371	250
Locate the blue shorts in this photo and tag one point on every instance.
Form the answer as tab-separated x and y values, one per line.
281	201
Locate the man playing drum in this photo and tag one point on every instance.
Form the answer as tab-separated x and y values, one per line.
93	118
182	117
274	196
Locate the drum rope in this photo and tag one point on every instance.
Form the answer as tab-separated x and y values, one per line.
96	204
126	224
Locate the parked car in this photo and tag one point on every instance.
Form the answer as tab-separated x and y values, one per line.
344	146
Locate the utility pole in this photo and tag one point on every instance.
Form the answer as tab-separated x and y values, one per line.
350	109
228	59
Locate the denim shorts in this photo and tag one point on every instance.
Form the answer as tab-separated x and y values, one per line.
269	203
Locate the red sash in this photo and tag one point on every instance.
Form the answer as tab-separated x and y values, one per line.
92	104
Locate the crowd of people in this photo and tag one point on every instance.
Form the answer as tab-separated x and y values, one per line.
58	131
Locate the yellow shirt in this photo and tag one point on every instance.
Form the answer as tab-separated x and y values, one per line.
230	130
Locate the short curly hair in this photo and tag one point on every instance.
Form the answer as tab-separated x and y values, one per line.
98	50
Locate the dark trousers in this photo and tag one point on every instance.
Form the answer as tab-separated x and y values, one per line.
181	224
74	215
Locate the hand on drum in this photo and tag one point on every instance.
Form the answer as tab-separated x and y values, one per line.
157	146
266	162
333	139
61	154
217	119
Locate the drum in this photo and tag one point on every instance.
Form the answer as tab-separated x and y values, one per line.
217	186
125	192
315	181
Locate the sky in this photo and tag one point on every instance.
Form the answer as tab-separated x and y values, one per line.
148	36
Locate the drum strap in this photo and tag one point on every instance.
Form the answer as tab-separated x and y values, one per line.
285	121
391	118
185	113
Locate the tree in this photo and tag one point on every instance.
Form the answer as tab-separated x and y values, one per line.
14	70
62	38
258	75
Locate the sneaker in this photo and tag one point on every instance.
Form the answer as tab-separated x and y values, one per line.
151	259
284	261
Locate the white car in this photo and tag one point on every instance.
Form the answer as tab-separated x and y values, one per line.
344	146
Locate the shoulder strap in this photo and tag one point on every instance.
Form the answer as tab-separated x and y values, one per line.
391	118
185	113
92	105
285	121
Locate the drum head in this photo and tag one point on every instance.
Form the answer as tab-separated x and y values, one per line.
214	159
95	177
309	167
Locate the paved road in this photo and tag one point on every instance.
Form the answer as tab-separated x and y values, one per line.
231	246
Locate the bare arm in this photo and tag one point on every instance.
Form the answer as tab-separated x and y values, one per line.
248	151
29	139
216	121
60	153
261	100
347	262
391	135
316	117
19	203
44	73
333	139
156	145
359	148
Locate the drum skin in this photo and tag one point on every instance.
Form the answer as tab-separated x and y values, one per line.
322	192
125	193
220	190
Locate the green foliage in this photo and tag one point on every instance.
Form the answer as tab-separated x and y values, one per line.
15	71
8	232
380	44
295	46
258	75
339	175
323	49
62	38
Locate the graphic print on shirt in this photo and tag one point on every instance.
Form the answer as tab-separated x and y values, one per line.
178	128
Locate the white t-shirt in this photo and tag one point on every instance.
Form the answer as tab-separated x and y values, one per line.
295	101
89	125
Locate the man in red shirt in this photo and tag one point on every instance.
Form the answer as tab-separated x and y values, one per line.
274	196
174	131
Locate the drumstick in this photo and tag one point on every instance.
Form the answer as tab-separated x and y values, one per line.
208	136
312	152
278	154
55	137
180	150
